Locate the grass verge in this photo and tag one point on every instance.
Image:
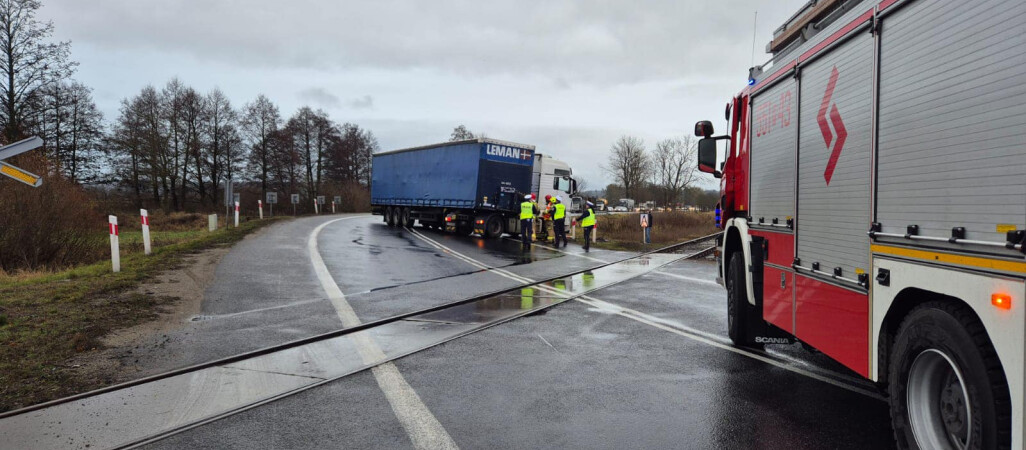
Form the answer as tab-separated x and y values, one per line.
48	318
623	231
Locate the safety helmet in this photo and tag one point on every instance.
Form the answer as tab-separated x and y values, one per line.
591	204
559	198
527	197
548	198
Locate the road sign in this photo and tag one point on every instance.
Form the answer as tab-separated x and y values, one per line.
295	199
338	200
236	198
20	147
320	199
21	175
229	197
17	173
272	198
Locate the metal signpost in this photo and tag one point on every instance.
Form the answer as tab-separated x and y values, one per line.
14	172
229	200
337	201
295	201
319	205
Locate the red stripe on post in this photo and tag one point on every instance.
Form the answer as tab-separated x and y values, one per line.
113	229
145	220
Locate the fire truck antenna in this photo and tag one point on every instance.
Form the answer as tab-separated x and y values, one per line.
755	22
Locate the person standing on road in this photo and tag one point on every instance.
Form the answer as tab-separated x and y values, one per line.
559	221
587	220
528	210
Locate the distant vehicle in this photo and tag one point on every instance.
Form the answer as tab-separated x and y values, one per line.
873	207
626	203
601	204
620	209
468	186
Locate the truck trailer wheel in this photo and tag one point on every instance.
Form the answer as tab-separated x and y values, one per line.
390	216
407	218
737	300
947	387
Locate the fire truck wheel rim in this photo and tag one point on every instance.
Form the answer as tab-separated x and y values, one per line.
938	404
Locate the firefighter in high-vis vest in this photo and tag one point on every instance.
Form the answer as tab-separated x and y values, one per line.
528	209
559	221
587	220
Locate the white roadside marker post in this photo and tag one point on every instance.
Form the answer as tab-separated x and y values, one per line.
212	222
260	206
317	209
236	214
145	215
115	256
333	207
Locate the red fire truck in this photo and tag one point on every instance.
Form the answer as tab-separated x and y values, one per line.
874	207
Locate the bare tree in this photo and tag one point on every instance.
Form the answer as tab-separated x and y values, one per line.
260	121
461	133
193	120
27	62
220	136
673	161
628	163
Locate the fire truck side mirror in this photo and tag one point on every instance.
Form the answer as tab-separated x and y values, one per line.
707	157
704	129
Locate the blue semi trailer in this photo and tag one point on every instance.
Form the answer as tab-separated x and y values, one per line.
471	186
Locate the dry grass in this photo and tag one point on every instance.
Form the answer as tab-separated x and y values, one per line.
623	231
46	317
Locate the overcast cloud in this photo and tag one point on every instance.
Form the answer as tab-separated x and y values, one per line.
566	76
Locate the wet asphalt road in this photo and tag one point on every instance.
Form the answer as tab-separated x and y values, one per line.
575	377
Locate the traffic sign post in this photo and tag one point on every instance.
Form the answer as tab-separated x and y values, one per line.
319	205
16	173
145	215
272	198
337	201
115	256
295	201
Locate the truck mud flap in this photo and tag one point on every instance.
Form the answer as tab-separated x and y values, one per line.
761	332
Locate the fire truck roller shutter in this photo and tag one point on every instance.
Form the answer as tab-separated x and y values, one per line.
774	134
834	158
834	164
952	115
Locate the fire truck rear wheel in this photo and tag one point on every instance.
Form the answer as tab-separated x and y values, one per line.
737	300
947	387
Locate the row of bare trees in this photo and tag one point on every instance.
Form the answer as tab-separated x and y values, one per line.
670	167
176	147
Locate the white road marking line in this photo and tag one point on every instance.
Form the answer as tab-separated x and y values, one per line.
546	342
697	335
682	277
640	317
423	428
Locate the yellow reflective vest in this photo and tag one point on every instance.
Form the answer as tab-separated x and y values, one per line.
560	211
590	220
526	210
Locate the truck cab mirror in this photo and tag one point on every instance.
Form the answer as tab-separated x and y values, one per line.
704	129
707	157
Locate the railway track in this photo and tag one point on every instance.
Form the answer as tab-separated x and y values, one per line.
324	358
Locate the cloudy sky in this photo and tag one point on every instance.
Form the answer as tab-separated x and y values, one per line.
567	76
